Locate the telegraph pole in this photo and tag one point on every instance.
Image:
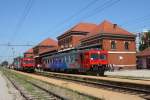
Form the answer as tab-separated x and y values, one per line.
13	52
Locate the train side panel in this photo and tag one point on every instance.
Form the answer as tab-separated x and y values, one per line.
28	64
77	60
17	63
24	64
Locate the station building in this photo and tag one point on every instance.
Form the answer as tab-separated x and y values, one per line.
41	47
143	59
71	38
119	43
44	55
29	53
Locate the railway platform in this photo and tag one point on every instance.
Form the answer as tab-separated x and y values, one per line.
87	90
143	74
7	91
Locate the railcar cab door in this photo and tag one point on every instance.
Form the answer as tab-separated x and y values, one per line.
81	59
84	59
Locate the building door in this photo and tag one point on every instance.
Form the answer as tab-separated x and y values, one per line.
148	62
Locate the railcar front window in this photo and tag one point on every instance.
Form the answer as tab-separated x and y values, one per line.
28	61
94	56
103	57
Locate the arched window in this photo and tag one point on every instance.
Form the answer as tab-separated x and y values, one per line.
113	45
126	45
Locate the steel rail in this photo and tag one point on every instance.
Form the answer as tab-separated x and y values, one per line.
128	87
26	97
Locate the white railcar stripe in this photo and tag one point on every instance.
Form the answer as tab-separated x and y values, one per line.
124	65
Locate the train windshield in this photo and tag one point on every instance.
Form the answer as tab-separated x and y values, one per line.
103	56
94	56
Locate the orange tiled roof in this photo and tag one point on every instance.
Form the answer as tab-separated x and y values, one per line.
108	27
85	27
145	52
48	42
48	49
82	27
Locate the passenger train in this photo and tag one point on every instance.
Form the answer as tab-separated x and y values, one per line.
24	64
77	61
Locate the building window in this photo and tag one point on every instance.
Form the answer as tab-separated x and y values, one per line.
126	45
59	42
70	39
113	45
101	47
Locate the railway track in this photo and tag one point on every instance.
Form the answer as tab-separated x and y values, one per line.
51	96
138	89
17	88
38	89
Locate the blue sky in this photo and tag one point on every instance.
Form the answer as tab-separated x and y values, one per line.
45	19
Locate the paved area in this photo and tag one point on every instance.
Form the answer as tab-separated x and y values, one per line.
7	91
96	92
134	80
133	73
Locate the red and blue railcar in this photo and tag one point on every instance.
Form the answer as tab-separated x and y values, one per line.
80	61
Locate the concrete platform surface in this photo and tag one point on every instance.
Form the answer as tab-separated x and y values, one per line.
133	73
7	91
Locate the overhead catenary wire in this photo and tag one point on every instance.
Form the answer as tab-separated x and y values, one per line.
6	56
101	8
141	18
75	14
13	45
23	18
98	9
24	15
138	25
27	10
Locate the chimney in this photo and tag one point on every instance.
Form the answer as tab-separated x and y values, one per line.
114	26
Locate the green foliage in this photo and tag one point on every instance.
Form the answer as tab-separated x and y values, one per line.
4	63
145	41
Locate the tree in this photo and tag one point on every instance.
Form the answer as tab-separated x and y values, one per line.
4	63
145	41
